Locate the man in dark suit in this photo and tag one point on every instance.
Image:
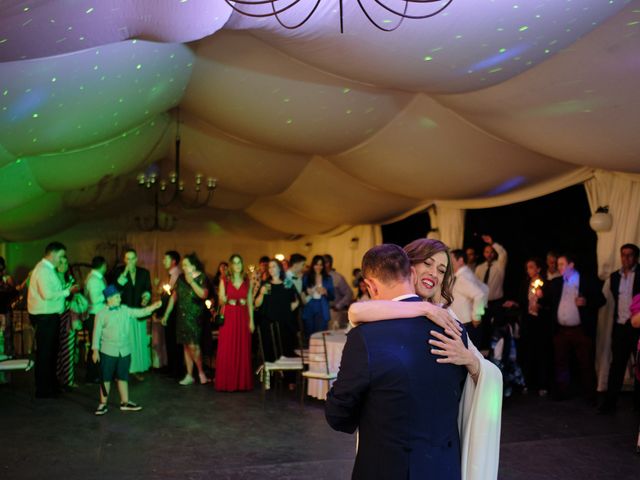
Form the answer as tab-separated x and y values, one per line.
625	284
573	301
134	283
390	387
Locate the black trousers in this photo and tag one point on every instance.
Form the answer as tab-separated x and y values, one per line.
568	342
47	341
624	341
537	351
93	370
175	356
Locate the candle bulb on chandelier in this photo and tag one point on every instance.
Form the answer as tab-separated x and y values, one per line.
173	177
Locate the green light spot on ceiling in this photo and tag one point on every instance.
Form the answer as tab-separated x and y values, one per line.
495	70
134	41
289	121
348	112
53	79
25	9
516	6
386	21
3	40
502	50
426	122
90	10
19	160
428	58
120	100
286	100
29	184
631	24
35	115
95	67
173	55
523	28
538	15
5	93
437	49
346	90
500	29
139	66
546	50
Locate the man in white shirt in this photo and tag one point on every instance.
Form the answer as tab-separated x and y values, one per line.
624	285
94	288
491	273
573	301
343	296
45	303
470	296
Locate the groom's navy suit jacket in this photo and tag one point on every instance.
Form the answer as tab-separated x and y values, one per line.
404	404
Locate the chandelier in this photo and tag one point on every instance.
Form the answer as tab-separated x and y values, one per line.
275	8
172	191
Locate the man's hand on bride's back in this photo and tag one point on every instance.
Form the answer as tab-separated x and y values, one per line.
441	317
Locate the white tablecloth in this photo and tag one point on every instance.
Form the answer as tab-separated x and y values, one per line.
336	340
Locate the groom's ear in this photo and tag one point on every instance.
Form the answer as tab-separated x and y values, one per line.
371	287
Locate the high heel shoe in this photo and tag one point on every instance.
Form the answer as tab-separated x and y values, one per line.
204	380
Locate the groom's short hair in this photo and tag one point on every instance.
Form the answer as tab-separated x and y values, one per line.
386	263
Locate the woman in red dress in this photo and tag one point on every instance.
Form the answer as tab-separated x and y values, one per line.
233	361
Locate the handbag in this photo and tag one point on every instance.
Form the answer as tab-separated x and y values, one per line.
218	318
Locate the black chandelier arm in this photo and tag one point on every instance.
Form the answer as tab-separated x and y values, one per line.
374	23
261	15
196	203
305	20
406	3
164	202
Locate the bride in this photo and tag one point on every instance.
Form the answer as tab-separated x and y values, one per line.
479	419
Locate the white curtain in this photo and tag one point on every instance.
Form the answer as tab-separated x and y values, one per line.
621	192
449	222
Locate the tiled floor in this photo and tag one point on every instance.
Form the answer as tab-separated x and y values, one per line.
197	433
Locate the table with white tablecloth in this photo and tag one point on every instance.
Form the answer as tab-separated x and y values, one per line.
336	340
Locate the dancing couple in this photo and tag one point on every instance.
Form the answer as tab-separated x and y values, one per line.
425	402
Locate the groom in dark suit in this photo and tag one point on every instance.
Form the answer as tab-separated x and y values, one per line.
390	387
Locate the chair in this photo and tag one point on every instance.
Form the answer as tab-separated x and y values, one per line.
281	365
315	357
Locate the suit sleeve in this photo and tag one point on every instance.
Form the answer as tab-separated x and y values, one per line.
345	399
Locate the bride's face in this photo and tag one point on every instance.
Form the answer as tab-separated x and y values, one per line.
430	275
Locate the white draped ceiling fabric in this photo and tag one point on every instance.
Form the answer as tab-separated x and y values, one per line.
309	130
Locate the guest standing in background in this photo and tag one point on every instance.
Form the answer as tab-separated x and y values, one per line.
135	289
278	300
7	295
233	360
45	303
624	284
552	266
343	296
68	326
189	295
171	263
94	287
492	273
472	258
317	292
635	323
537	348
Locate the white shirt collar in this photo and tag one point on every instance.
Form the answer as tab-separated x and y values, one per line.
97	273
404	297
48	263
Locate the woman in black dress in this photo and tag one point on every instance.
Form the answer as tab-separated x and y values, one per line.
188	296
278	300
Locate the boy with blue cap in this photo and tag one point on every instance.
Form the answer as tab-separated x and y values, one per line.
111	346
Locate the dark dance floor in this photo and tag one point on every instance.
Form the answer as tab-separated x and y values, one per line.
196	433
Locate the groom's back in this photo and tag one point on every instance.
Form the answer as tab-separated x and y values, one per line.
408	423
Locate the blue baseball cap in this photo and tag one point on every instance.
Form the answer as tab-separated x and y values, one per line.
110	291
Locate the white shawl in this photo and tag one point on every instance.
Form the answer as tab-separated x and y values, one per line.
479	422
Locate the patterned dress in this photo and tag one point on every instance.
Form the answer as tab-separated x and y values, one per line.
190	309
233	360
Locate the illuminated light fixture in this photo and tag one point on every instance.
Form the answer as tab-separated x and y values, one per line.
279	257
276	9
175	185
601	221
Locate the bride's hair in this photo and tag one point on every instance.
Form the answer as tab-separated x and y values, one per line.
422	249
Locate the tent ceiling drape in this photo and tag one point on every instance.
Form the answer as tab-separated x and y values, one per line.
308	129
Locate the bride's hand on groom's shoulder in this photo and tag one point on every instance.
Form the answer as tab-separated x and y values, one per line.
442	318
449	346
